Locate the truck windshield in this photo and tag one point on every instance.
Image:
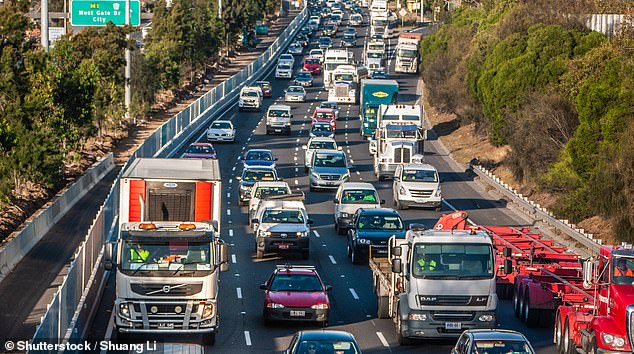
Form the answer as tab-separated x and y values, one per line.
407	53
396	134
420	176
172	258
329	160
264	192
250	93
379	222
452	261
623	270
283	216
278	113
362	196
344	77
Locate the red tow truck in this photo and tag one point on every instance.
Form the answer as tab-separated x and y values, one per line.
591	300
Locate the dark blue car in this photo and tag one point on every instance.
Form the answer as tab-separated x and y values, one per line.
323	341
372	228
259	157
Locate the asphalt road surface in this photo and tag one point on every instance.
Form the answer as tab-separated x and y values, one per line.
353	304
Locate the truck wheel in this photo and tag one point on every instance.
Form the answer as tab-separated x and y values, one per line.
402	340
569	345
354	256
530	316
259	254
121	337
306	169
209	339
349	250
382	310
558	336
592	346
516	300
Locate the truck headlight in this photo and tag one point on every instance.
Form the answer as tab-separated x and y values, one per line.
301	234
345	215
320	307
273	305
438	192
344	176
208	310
366	125
124	309
265	233
417	317
244	188
486	318
613	340
364	241
315	175
402	190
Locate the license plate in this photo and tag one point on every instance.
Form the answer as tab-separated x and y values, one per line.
168	325
298	313
284	247
453	325
278	130
330	183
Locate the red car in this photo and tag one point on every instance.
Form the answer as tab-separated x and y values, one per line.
200	151
325	115
296	293
312	65
267	90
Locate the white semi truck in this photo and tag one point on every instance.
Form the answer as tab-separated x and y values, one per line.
332	59
168	255
436	284
345	85
407	52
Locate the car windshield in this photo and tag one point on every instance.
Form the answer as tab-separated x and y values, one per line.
286	57
331	105
172	256
329	145
200	149
348	36
379	222
324	40
264	192
361	196
623	270
283	216
312	61
258	175
264	85
250	93
221	125
420	176
329	160
330	27
321	128
259	155
295	282
304	75
501	347
295	89
278	113
327	346
375	55
324	116
457	261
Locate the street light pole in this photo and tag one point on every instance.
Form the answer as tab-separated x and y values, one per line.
128	65
44	24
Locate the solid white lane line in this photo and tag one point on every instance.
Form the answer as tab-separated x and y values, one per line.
316	233
247	338
233	259
354	294
332	259
239	293
382	339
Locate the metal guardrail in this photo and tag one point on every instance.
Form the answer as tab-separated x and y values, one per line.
537	211
75	301
13	252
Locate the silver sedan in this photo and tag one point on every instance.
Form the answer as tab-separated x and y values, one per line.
295	94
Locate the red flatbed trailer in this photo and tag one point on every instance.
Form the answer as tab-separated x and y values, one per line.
592	306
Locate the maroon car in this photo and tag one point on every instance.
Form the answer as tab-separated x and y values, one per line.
296	293
267	89
200	151
312	65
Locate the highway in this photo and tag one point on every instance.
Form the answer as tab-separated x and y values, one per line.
353	304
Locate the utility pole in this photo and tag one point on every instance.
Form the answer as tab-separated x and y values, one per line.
128	65
422	12
44	24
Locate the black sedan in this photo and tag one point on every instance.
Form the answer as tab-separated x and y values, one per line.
326	341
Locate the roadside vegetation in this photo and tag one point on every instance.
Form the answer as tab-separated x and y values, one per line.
53	104
531	76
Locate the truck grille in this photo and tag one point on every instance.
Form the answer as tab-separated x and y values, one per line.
421	193
401	155
160	289
341	90
164	309
447	316
629	325
161	316
284	234
330	177
451	300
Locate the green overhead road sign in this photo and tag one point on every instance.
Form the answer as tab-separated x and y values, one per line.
100	12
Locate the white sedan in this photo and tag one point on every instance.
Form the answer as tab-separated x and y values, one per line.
221	130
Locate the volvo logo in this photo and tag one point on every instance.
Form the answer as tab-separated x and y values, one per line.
167	288
284	235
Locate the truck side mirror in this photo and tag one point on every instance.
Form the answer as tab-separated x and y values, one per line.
310	221
588	273
224	257
328	287
238	178
255	221
508	266
304	147
108	251
276	158
336	201
382	201
397	265
507	252
397	251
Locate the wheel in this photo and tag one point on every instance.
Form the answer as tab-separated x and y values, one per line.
530	316
349	250
259	254
209	339
520	305
354	256
569	346
438	208
516	299
382	305
306	169
592	347
558	336
402	340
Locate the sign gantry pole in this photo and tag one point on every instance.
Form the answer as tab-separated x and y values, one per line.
128	65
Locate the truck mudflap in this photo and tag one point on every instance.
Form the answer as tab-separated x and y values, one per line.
444	324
